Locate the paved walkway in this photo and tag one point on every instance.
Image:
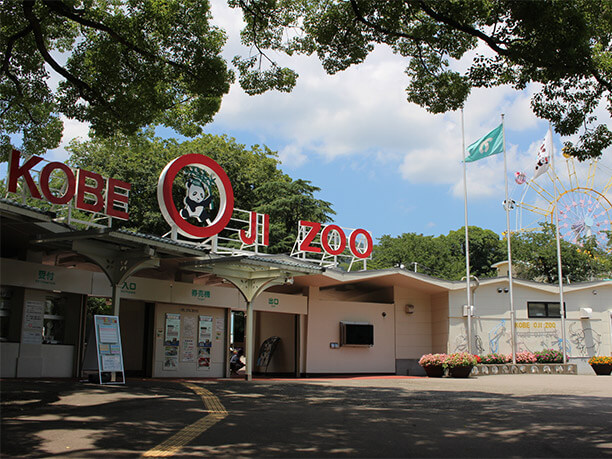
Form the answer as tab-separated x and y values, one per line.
490	416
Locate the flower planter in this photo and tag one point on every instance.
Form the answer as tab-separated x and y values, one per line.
461	371
525	368
602	369
434	371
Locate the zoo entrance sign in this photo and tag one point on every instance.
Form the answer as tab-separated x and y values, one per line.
205	210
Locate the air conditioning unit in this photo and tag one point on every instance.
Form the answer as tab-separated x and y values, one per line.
468	309
586	313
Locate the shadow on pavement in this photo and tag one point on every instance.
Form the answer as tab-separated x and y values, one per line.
69	418
271	418
315	421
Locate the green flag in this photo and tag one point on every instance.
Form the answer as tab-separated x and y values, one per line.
489	145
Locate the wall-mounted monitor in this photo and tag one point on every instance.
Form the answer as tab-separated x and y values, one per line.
356	334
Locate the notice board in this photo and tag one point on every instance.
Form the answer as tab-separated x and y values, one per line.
108	346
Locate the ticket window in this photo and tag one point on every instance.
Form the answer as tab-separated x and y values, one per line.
61	318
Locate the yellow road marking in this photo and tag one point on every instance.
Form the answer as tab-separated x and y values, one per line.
183	437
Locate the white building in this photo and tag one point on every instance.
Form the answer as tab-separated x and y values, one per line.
48	269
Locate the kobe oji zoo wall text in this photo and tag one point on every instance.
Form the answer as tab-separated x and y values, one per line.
91	191
205	211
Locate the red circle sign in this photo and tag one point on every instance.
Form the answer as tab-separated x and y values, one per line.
353	243
171	213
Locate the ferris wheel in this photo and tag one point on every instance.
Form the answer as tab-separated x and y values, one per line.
583	199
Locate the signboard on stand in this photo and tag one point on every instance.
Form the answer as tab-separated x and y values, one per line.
108	347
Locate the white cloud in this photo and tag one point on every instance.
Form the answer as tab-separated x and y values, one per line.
431	165
363	111
292	156
73	129
360	118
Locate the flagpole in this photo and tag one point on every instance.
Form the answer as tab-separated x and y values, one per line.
508	234
559	265
467	243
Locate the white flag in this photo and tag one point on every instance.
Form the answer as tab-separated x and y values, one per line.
543	156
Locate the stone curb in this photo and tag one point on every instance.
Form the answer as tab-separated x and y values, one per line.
525	368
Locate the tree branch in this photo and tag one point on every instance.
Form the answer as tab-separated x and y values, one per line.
464	28
378	28
85	91
61	9
7	56
606	84
254	29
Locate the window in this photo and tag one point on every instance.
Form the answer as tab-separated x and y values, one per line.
356	334
53	320
537	309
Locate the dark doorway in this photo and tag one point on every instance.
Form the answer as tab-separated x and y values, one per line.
237	329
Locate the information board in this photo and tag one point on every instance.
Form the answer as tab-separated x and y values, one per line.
171	342
205	330
108	347
32	324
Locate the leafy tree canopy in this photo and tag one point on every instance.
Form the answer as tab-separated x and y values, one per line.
257	181
121	64
441	256
563	46
288	202
535	254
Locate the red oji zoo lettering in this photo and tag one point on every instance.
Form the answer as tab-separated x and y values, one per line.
315	228
93	192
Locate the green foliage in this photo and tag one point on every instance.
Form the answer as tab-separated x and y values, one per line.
564	46
98	306
460	359
549	356
126	64
441	256
287	202
495	358
486	249
139	160
535	257
122	64
257	181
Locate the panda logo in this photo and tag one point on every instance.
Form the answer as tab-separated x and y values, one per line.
198	198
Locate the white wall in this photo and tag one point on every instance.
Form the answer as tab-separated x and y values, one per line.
57	360
492	322
439	323
323	328
412	331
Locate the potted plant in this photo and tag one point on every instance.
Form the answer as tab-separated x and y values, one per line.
601	365
460	364
433	364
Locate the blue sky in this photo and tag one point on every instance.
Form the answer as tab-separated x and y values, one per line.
386	165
